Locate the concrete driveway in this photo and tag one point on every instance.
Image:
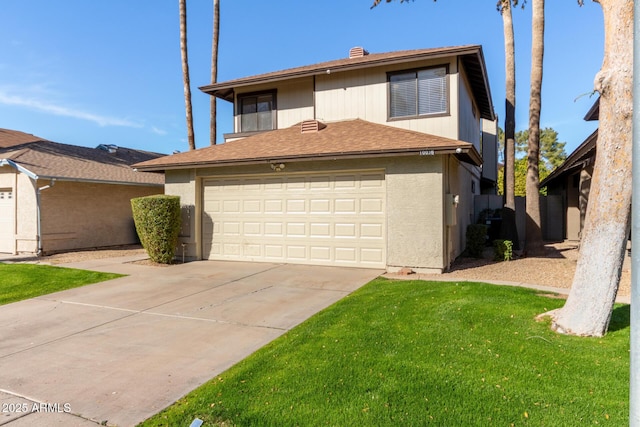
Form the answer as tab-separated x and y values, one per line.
118	352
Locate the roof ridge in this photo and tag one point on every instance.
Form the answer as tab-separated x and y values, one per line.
371	57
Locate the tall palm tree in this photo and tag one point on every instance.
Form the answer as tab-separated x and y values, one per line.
534	244
214	68
509	230
185	73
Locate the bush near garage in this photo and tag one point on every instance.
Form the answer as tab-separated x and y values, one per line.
157	220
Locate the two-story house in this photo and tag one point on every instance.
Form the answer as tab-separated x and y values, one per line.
367	161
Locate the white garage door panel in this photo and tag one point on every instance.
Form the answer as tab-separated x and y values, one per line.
7	218
326	219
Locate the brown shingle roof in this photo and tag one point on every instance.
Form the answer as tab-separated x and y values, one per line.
594	111
12	138
338	139
576	160
472	58
47	159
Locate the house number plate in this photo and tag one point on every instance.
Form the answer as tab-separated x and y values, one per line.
427	152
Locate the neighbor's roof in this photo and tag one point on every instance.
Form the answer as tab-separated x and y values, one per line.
11	138
580	155
344	139
42	159
576	160
594	111
471	56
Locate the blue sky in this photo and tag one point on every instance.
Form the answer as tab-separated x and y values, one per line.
108	71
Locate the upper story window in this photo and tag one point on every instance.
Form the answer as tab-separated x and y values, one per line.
419	92
257	111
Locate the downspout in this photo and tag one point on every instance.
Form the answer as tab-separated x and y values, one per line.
445	229
39	217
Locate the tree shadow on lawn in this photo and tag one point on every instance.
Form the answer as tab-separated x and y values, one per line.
620	318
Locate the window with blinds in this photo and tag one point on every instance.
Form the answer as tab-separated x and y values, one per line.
257	112
418	93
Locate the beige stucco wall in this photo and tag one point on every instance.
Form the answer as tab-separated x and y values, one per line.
76	215
7	177
415	211
7	223
489	149
27	218
468	113
182	183
25	225
461	179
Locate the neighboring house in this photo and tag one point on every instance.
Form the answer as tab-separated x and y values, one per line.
569	184
367	161
56	197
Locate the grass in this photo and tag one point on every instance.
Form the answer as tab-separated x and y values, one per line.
415	353
23	281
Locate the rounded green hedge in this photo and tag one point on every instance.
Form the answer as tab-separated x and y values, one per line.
157	219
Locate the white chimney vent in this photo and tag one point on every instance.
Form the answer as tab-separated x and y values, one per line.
357	52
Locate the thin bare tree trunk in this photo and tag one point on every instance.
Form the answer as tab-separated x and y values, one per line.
508	229
214	68
534	244
185	73
595	283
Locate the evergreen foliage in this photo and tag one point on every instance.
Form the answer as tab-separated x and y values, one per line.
157	219
552	155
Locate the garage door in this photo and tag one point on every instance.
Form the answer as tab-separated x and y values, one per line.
323	219
7	217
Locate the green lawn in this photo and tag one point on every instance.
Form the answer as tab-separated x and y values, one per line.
23	281
414	353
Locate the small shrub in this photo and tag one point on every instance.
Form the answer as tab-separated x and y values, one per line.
476	239
502	250
157	219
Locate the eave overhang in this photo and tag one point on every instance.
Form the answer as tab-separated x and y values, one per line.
35	176
471	56
468	155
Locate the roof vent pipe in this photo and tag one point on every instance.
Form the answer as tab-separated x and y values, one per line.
357	52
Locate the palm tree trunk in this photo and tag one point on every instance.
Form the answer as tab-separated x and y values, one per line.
508	228
185	73
214	68
534	244
604	237
510	106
